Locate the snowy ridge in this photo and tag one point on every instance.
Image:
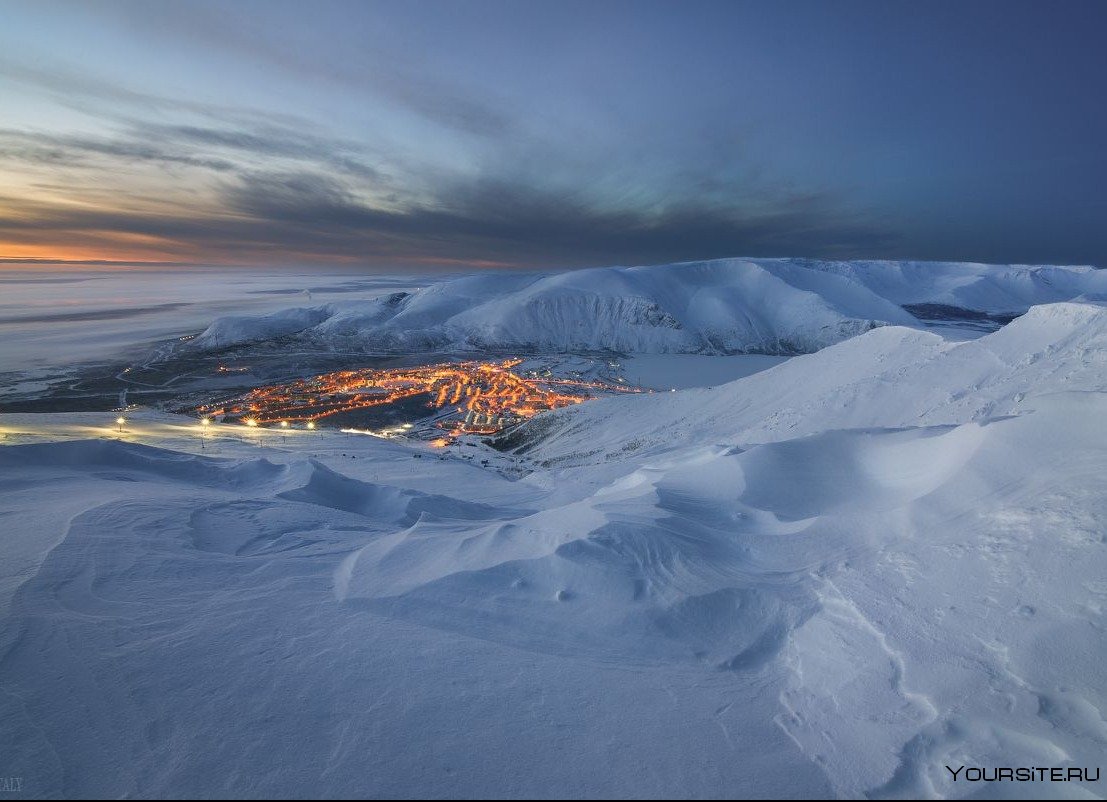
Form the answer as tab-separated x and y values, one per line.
772	306
890	377
997	289
724	306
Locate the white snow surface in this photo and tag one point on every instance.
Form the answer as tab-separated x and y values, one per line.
889	377
830	578
998	289
723	307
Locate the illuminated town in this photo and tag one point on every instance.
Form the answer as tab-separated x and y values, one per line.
475	397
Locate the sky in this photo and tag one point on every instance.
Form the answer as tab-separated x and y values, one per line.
450	135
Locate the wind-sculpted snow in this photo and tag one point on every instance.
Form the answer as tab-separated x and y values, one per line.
889	377
725	306
328	488
848	611
135	462
829	579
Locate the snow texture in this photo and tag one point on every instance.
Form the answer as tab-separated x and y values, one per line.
829	578
721	307
726	306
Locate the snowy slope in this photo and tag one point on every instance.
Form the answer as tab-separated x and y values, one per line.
725	306
889	377
830	578
996	289
836	611
773	306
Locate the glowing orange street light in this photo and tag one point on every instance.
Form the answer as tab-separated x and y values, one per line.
121	420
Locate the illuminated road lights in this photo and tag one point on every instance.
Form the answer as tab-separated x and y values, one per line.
120	421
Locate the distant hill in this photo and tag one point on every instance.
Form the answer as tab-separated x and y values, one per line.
725	306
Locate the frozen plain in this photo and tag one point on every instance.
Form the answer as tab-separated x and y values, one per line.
830	578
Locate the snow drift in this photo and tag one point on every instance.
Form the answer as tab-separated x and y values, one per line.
890	377
828	579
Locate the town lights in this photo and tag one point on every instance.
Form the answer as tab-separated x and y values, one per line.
490	390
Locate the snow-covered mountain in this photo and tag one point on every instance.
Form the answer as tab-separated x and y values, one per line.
995	289
890	377
772	306
832	578
849	570
724	306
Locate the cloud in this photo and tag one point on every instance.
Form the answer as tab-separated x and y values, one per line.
256	186
85	92
67	150
311	215
267	141
374	69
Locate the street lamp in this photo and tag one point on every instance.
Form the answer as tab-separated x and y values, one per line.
204	423
120	420
284	428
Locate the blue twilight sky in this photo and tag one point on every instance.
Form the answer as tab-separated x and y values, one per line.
552	133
